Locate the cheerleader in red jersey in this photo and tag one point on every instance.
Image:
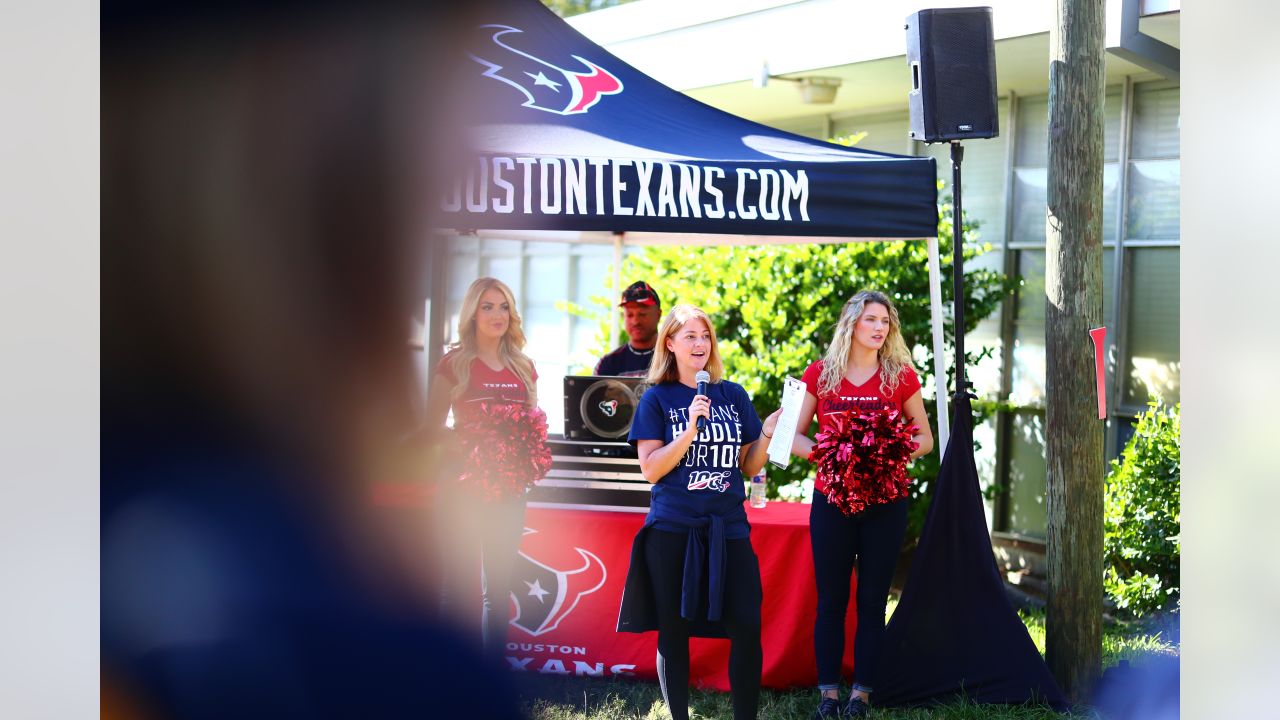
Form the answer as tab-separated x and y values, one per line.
486	365
866	368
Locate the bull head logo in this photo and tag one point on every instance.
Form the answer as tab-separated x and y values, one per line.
544	596
609	407
545	86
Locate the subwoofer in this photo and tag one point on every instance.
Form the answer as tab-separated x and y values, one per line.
600	408
952	56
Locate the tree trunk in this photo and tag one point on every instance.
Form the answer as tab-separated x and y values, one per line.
1073	290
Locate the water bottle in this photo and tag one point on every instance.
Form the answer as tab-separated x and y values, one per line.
758	487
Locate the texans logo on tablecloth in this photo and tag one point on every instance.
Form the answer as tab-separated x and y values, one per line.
609	407
545	596
545	86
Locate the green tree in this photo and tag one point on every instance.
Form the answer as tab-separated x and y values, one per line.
775	306
569	8
1143	513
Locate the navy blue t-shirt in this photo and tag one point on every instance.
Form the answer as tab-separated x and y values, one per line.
625	361
707	480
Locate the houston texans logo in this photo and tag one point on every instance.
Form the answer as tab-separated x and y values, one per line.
609	407
545	86
545	596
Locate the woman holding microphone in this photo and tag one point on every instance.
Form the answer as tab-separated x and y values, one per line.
867	368
693	572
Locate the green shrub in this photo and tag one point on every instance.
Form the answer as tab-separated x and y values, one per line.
1143	514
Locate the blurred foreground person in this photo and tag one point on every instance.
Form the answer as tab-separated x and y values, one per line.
481	518
263	181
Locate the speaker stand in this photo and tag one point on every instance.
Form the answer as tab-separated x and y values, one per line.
957	254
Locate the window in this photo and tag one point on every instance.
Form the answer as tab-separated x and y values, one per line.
1028	354
1026	513
1140	311
1030	173
983	173
813	126
1151	365
1151	358
983	178
884	133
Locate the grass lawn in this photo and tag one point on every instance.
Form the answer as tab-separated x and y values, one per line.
600	699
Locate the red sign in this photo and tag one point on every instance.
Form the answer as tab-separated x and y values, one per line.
1099	336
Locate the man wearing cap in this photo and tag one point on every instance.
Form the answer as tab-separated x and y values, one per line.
642	312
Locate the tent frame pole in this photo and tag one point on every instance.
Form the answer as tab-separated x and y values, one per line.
618	239
939	360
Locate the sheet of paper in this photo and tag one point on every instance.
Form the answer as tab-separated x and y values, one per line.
780	446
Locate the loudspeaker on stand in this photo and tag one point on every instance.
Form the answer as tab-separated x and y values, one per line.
952	57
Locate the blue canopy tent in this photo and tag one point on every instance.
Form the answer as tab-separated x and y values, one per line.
564	137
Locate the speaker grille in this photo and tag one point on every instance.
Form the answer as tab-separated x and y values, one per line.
607	407
600	408
962	80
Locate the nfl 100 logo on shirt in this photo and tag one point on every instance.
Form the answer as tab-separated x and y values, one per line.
709	480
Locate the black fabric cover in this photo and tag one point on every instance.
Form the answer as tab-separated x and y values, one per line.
954	631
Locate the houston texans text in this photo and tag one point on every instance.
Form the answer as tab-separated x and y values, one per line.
581	186
554	666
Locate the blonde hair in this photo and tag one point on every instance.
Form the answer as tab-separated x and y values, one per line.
663	366
892	355
510	347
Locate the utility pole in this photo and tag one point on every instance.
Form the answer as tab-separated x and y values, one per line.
1073	290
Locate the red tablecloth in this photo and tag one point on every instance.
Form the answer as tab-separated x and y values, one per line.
569	585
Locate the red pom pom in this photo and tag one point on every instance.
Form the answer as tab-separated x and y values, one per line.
863	459
506	449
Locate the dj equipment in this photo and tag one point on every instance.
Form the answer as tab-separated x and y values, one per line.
951	52
592	475
600	408
593	467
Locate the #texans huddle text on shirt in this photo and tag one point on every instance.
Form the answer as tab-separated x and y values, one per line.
715	447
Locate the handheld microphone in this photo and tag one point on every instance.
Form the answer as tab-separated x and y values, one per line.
703	377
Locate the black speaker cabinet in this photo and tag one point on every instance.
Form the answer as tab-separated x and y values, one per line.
952	56
600	408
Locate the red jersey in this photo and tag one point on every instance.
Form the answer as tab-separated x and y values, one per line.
484	385
868	396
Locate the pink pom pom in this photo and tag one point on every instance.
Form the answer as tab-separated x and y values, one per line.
507	449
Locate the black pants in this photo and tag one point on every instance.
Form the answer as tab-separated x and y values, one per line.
664	555
872	540
495	530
